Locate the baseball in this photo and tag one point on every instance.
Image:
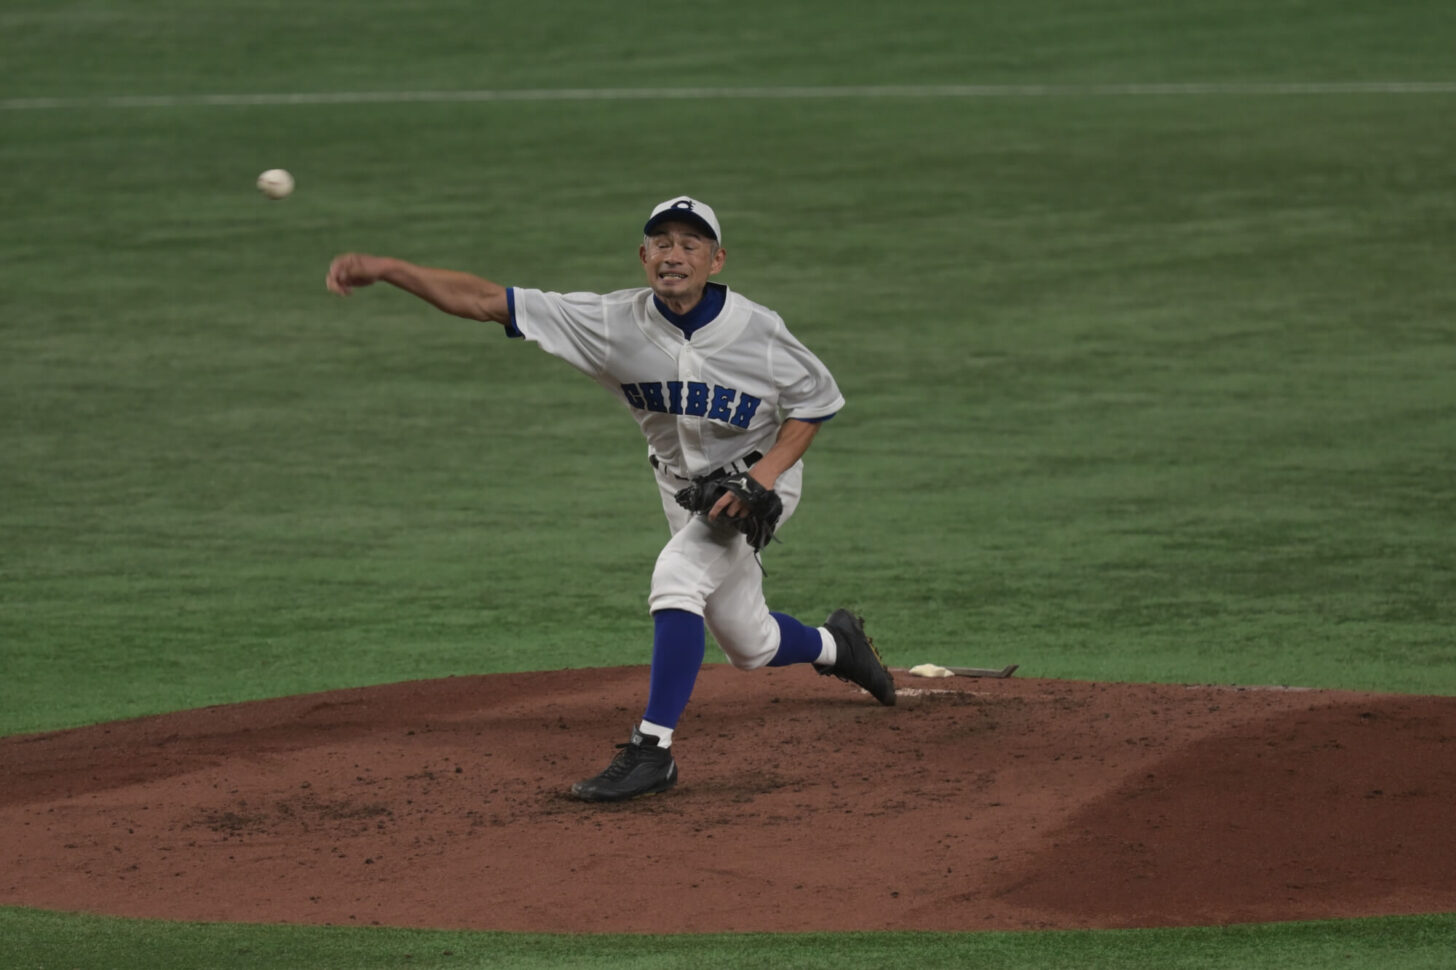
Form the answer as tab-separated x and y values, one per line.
275	183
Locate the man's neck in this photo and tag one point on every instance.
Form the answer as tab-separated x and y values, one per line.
682	305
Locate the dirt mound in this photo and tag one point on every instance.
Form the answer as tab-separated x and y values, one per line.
973	804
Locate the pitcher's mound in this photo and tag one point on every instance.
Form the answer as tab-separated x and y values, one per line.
803	805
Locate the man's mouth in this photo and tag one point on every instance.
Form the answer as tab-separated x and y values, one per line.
672	276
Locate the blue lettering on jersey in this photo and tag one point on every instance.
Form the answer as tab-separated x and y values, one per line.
652	391
747	405
697	404
722	397
700	400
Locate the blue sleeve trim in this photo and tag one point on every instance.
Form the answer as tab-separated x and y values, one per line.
511	329
816	420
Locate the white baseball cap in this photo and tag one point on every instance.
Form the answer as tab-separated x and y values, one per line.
684	209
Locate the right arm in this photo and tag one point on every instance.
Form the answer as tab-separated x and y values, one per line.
461	294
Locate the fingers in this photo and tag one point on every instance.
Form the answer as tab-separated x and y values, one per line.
348	271
727	506
336	279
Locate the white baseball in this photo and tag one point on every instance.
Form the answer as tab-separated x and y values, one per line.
275	183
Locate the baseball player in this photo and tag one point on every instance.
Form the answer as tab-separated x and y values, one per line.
729	401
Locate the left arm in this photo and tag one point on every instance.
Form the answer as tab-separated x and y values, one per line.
794	439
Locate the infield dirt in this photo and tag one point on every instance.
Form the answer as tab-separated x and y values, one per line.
803	805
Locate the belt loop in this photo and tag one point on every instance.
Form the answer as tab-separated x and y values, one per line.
747	462
661	466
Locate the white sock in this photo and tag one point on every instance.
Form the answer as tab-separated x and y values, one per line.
662	734
828	651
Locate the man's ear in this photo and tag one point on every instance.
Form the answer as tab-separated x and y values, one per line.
719	258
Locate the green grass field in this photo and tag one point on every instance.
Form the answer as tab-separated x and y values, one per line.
1142	387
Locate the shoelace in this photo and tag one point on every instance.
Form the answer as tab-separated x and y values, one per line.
628	757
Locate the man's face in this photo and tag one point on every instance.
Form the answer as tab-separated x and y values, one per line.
679	258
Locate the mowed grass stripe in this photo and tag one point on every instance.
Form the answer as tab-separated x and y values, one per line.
1237	89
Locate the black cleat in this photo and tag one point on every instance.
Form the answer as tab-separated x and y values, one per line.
857	660
640	768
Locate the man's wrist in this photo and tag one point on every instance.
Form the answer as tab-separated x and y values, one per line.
389	269
765	474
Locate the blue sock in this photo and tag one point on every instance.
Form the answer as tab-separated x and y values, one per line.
678	646
798	644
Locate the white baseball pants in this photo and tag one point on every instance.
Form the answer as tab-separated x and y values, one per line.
711	570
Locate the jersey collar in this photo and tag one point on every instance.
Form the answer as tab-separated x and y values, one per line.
707	310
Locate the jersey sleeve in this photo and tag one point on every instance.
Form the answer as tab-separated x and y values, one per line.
807	389
571	326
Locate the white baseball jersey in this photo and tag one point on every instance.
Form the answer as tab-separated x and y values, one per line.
703	402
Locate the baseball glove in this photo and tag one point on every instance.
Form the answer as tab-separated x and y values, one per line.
763	504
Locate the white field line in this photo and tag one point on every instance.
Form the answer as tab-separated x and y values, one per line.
1233	88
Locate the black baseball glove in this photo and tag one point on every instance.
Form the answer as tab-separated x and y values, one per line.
763	504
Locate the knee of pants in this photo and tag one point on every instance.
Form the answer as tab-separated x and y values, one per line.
678	582
670	591
749	639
